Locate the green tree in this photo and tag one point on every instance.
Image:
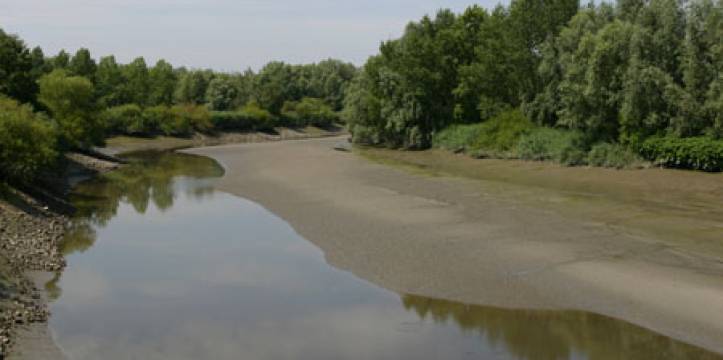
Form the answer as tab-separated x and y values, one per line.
40	65
275	84
702	61
137	81
62	60
27	142
328	80
82	64
162	83
16	66
70	100
110	84
191	87
221	93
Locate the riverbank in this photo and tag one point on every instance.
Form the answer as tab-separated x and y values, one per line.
523	235
124	144
32	225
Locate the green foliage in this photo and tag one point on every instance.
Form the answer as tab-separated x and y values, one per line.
308	111
187	119
557	145
220	94
452	69
456	137
497	136
648	68
70	100
161	117
27	142
192	87
16	65
262	119
82	64
327	80
129	119
500	133
612	155
136	81
248	119
110	84
699	153
162	83
61	60
274	85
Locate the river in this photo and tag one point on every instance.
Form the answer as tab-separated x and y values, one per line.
163	266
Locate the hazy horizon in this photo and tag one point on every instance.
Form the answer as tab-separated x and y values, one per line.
223	35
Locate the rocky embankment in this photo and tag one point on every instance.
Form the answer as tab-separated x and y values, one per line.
30	237
31	233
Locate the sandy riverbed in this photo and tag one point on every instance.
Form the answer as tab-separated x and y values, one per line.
579	244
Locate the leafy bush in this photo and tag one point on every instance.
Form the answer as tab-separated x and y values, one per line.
700	153
232	120
27	142
309	111
551	144
500	133
162	118
612	155
129	119
263	119
456	137
250	117
186	119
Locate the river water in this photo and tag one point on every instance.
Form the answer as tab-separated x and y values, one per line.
162	266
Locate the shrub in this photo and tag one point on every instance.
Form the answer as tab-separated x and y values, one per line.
129	119
186	119
161	117
231	120
316	112
263	120
308	111
612	155
545	143
500	133
27	142
456	137
700	153
250	117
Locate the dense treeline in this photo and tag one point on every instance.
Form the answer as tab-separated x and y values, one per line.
600	84
605	85
49	105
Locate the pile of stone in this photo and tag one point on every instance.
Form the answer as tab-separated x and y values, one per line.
30	240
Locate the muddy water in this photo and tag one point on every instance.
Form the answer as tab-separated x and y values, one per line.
162	266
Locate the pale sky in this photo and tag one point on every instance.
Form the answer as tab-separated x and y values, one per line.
228	35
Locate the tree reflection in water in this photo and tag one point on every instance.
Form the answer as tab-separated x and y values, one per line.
555	335
149	177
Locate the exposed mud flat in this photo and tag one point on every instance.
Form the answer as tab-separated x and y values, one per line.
642	246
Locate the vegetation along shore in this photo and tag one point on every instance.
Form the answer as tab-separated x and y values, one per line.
533	87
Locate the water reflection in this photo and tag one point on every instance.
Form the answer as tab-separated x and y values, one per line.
163	267
553	335
149	177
